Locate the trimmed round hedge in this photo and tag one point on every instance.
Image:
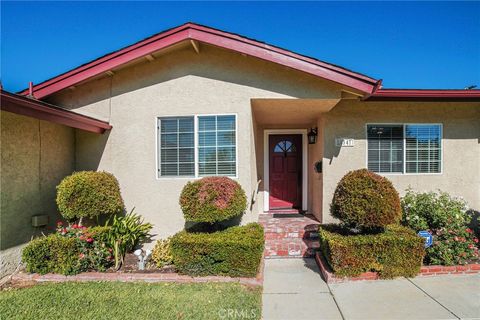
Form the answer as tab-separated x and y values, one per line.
52	253
212	199
88	194
364	199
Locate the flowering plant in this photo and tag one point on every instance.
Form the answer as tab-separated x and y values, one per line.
447	219
94	253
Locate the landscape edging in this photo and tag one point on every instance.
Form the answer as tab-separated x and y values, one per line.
330	277
134	277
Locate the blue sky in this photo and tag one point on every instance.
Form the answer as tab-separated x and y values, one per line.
409	44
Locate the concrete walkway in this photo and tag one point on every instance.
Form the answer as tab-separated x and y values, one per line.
293	289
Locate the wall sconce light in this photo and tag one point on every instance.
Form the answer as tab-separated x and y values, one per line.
312	135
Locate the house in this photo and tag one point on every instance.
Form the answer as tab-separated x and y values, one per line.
194	101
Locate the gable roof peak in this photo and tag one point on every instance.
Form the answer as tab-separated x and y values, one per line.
212	36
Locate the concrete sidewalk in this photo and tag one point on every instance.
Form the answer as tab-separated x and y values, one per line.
293	289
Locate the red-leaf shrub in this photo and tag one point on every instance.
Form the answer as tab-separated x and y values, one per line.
364	199
212	199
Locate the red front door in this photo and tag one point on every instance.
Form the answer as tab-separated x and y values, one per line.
285	180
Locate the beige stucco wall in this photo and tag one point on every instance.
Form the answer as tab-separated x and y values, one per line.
461	145
178	84
216	81
35	156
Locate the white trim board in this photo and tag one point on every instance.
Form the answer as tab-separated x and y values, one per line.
266	165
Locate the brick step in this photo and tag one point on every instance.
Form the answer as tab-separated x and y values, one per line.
303	234
290	248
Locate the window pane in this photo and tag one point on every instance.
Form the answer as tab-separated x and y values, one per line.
374	166
385	148
176	146
216	145
186	155
185	125
169	140
226	138
169	169
169	155
226	154
207	169
226	123
423	143
207	154
185	140
169	125
206	123
206	139
186	169
226	168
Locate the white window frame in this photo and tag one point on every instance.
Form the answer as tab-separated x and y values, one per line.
404	173
195	139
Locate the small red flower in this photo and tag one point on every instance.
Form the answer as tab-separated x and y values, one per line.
475	240
89	240
75	226
59	223
470	246
81	255
469	230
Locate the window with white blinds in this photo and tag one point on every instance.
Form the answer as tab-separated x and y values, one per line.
385	148
213	137
423	148
177	147
404	148
216	146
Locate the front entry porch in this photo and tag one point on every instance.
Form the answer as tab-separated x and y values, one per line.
285	161
289	235
290	190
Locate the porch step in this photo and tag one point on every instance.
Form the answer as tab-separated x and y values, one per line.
290	248
290	237
300	234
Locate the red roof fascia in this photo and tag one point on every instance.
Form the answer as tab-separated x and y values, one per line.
40	110
424	95
211	36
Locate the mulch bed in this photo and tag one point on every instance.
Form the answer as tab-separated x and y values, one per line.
130	265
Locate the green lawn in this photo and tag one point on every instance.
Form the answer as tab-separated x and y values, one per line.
117	300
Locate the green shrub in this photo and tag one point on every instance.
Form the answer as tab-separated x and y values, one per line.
396	252
212	199
52	253
100	233
162	253
236	251
447	219
94	250
126	232
89	194
367	200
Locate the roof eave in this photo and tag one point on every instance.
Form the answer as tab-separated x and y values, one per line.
424	95
40	110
